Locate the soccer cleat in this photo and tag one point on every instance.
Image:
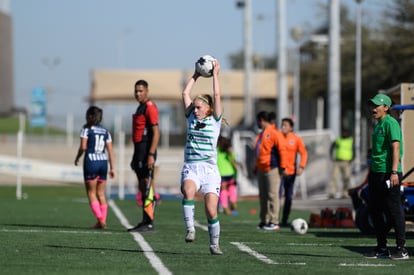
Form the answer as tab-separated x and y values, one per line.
135	227
190	237
261	225
99	225
378	253
271	226
227	211
103	225
284	224
401	253
141	227
215	250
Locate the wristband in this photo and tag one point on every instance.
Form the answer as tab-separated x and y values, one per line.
394	172
151	154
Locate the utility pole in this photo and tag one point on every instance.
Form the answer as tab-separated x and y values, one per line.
297	35
248	64
282	100
357	133
334	67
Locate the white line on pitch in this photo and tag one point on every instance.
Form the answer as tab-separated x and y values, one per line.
196	223
259	256
146	248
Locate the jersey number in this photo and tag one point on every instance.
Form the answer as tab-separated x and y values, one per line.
99	143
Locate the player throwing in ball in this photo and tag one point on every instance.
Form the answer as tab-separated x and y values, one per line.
200	172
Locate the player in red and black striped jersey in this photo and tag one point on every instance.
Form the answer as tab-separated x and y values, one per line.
146	136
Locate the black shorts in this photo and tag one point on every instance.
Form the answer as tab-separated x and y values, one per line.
139	159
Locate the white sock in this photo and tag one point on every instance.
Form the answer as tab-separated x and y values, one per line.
214	232
188	212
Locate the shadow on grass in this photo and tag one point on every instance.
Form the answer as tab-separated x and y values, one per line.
358	249
338	234
362	249
323	233
44	226
115	249
62	227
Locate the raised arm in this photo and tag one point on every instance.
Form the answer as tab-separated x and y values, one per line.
186	94
216	90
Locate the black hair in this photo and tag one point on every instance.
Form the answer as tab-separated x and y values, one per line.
224	143
141	82
288	120
266	116
93	116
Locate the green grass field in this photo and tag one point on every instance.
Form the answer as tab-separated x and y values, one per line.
10	125
50	232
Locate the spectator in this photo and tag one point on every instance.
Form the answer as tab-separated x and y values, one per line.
343	149
226	162
295	146
269	147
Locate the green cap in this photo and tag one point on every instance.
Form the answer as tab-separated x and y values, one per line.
381	99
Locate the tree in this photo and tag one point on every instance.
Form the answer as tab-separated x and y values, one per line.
387	54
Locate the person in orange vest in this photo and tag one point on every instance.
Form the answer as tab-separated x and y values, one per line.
270	165
295	146
343	149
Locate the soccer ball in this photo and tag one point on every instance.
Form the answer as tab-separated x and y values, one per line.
204	65
299	226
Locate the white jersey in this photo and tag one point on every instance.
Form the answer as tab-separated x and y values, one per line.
202	138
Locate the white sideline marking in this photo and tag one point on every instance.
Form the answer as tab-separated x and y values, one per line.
146	248
367	265
196	223
259	256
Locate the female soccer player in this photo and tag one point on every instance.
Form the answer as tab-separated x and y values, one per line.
200	172
227	165
94	139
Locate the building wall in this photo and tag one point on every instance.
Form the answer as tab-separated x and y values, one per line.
166	86
6	64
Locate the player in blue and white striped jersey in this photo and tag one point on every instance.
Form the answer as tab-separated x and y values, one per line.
200	172
95	140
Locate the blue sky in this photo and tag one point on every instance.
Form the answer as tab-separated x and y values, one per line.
58	43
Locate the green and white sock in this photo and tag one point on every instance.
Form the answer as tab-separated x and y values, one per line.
188	213
214	231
